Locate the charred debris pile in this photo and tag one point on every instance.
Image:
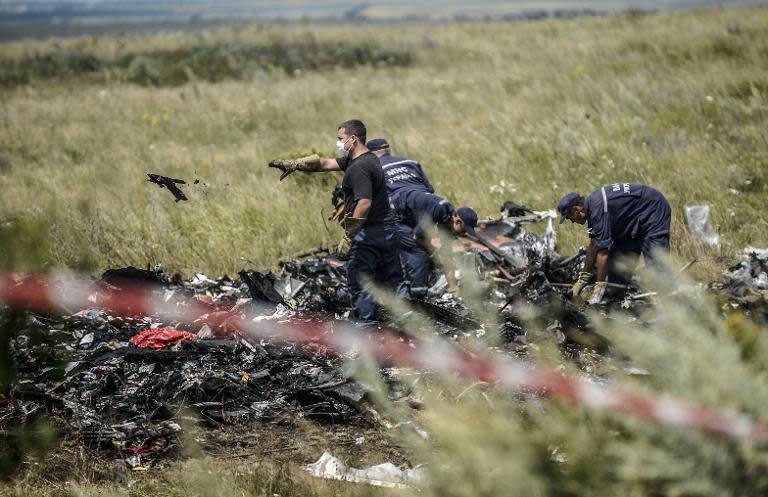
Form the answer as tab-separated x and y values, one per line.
122	386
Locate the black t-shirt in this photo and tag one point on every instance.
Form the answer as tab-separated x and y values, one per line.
364	178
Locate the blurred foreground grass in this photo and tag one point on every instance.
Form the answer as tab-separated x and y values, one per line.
486	440
494	111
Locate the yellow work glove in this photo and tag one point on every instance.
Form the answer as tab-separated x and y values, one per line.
580	283
288	166
352	226
598	293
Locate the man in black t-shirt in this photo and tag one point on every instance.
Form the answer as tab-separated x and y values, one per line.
370	239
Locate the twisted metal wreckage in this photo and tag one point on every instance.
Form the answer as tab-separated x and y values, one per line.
117	381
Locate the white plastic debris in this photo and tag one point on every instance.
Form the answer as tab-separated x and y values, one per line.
550	214
760	253
281	312
70	366
89	313
447	297
699	225
548	240
381	475
168	295
205	333
439	287
550	236
201	278
87	341
633	371
761	281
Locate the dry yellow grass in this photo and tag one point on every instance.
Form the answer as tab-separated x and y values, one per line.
676	101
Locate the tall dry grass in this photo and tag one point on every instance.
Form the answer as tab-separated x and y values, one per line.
673	100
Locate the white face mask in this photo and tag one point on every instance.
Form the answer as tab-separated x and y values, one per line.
340	147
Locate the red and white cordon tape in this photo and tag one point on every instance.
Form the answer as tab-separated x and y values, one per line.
54	295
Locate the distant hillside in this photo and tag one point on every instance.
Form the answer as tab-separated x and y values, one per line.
39	18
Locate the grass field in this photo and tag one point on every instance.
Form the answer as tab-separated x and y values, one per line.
494	111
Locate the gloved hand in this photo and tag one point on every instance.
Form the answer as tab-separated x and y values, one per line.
343	248
352	226
598	293
580	283
288	166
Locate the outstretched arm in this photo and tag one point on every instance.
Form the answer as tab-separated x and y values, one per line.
323	165
310	164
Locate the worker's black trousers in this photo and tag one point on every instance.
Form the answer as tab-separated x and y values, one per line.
624	256
375	257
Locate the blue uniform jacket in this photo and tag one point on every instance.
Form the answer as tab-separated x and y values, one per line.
401	175
623	212
413	208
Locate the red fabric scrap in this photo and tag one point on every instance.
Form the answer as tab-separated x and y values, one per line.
139	451
158	338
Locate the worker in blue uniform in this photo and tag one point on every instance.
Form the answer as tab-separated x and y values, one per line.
418	214
418	210
400	174
624	220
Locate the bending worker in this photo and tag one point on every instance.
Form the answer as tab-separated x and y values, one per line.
624	220
400	174
370	239
417	209
417	214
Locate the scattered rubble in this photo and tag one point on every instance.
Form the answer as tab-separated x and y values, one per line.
125	386
99	384
745	285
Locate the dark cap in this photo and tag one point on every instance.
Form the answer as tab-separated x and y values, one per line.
469	216
569	200
375	144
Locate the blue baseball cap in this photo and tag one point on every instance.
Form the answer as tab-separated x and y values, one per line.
375	144
569	200
469	216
